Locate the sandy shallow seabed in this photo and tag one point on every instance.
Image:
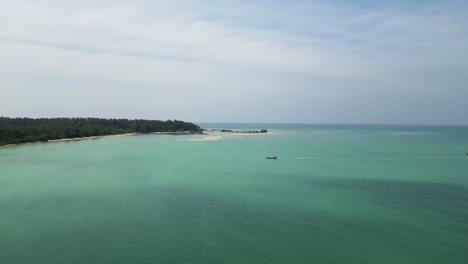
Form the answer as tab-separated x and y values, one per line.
212	137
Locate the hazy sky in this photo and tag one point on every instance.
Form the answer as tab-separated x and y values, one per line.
236	61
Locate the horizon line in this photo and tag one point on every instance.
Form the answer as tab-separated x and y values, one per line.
360	124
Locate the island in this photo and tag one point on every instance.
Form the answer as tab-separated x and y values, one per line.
25	130
242	131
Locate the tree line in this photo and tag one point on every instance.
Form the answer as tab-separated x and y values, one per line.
22	130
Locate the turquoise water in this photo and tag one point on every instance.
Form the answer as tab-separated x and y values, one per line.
337	194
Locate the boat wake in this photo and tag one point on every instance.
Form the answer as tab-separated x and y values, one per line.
384	158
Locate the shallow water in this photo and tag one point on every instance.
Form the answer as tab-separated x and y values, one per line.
337	194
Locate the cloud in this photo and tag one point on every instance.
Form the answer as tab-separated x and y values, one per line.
132	30
181	46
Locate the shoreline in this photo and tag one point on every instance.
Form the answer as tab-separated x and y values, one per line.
101	136
83	138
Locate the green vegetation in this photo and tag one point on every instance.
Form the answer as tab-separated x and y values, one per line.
22	130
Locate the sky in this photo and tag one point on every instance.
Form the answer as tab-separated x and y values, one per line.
372	62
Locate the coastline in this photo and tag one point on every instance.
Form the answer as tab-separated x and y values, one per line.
102	136
91	137
207	137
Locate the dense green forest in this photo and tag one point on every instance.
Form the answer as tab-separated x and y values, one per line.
21	130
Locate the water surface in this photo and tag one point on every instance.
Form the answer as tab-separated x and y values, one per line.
337	194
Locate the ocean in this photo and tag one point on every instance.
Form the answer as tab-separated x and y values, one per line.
336	194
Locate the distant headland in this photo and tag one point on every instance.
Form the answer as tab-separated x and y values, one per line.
26	130
261	131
